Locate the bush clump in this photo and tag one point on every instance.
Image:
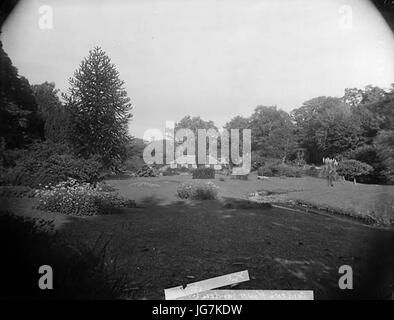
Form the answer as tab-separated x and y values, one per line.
279	170
16	192
45	164
312	172
198	191
257	161
170	172
80	199
147	171
352	169
204	173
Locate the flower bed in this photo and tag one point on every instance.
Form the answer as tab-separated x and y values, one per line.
198	191
80	199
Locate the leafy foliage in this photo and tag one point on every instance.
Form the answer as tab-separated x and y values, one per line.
134	155
170	171
80	199
369	153
20	123
203	173
194	124
385	149
257	161
352	169
52	112
47	163
272	132
197	191
147	171
279	169
312	172
325	127
16	192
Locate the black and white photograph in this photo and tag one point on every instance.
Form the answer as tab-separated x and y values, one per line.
214	151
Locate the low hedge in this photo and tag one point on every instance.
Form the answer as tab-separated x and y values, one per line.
280	169
203	173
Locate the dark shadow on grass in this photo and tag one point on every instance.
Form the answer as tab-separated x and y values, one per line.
164	243
234	203
150	201
79	271
377	282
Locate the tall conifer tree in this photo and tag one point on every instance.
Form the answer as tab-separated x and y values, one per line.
100	109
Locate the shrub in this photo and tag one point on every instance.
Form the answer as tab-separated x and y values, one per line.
80	199
45	163
312	172
279	169
287	170
103	186
198	191
16	192
352	169
370	154
204	173
33	172
265	171
40	151
147	171
257	161
133	164
170	172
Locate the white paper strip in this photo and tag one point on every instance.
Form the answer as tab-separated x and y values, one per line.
251	295
205	285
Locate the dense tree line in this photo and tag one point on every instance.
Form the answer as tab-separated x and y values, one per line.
20	123
359	125
91	121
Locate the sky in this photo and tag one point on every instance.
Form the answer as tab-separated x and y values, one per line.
215	59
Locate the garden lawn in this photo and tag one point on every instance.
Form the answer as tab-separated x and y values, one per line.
359	199
161	246
166	241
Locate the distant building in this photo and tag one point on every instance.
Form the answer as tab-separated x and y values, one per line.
185	161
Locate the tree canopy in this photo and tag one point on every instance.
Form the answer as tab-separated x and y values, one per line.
20	123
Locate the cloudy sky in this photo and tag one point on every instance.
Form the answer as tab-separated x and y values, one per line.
216	59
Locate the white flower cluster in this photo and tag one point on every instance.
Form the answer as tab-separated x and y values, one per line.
198	190
73	198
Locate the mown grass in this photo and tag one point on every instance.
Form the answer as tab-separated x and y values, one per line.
165	242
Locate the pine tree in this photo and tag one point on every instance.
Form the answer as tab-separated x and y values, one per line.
100	109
